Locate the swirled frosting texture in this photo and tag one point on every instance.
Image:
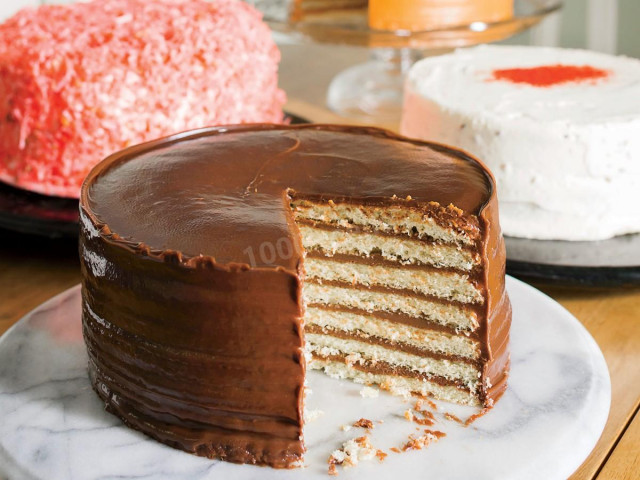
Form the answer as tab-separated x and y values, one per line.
192	337
564	155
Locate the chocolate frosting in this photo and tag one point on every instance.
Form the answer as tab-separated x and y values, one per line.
214	194
192	273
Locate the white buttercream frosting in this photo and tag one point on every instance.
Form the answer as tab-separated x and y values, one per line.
566	157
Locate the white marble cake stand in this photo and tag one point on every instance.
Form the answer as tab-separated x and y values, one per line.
52	425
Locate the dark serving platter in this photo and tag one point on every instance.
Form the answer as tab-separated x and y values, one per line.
604	263
29	212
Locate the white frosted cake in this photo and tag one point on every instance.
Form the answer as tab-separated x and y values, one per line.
559	128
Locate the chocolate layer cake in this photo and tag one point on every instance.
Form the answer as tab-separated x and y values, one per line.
219	264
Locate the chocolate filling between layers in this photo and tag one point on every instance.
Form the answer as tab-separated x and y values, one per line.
375	259
383	368
391	345
352	228
465	307
446	214
422	323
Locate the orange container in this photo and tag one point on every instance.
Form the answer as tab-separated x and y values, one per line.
416	15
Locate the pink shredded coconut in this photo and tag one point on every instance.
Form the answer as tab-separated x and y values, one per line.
81	81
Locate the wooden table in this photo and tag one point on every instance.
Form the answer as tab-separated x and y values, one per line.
33	269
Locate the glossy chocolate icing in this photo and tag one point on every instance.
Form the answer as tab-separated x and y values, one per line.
192	273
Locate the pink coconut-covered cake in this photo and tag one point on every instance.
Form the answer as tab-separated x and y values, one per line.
80	81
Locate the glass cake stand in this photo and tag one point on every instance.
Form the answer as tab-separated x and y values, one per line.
372	91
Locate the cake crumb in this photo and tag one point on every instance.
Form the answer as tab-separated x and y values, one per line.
427	418
452	417
420	405
351	359
436	433
394	449
468	421
364	423
345	428
476	416
312	415
381	455
351	453
418	443
388	386
369	392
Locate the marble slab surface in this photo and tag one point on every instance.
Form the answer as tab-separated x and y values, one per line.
52	425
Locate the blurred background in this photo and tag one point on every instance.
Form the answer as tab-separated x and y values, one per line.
609	26
605	25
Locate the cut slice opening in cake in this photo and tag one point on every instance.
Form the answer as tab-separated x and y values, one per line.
393	294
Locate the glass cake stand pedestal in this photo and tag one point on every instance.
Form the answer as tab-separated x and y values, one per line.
371	92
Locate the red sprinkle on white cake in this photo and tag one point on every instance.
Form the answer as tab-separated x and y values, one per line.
81	81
